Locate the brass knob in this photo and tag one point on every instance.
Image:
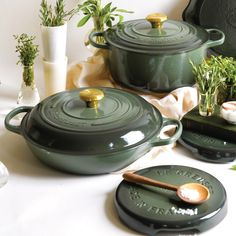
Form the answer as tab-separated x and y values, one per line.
91	97
156	19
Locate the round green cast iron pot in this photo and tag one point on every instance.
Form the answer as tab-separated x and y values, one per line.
152	58
91	130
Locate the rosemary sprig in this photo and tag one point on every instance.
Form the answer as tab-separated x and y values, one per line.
208	75
54	16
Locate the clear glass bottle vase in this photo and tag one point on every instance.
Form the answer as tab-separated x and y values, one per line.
28	94
98	26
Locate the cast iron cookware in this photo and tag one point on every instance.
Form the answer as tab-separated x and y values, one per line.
207	148
152	210
220	14
91	130
153	54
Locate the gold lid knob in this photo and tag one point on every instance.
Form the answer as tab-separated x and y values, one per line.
91	97
156	19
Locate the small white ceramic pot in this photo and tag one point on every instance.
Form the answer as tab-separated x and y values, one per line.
228	111
55	76
54	42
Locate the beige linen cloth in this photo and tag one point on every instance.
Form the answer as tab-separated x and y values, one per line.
95	72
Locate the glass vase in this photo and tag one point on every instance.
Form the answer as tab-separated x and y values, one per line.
98	26
28	94
207	103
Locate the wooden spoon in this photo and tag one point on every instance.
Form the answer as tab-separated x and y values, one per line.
193	193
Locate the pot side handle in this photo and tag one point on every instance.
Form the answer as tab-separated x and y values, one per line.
94	34
166	122
212	43
13	113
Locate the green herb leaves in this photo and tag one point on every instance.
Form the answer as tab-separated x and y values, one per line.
233	167
102	16
54	16
217	72
28	51
26	48
208	75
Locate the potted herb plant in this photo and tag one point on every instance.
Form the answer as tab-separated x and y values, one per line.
27	52
54	33
209	78
102	16
54	29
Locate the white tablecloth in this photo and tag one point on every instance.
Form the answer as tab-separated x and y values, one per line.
40	201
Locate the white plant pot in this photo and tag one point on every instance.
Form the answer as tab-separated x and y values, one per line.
54	42
55	76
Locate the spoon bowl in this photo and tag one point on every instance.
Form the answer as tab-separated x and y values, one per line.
193	193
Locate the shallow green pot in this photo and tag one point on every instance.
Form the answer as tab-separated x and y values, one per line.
92	131
148	57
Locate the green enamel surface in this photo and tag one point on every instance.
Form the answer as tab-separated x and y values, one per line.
207	142
85	163
214	126
156	73
173	37
64	123
151	209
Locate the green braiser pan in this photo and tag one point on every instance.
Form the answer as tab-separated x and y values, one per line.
91	130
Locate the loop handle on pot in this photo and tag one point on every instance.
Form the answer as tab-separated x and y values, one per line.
166	122
212	43
94	34
13	113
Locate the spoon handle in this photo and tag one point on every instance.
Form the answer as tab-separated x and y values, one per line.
134	178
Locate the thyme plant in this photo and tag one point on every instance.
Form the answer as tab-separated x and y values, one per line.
27	52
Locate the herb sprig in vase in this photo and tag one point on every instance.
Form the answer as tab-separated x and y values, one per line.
27	52
209	78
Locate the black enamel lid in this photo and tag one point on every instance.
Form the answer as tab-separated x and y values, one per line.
218	14
155	35
150	209
64	122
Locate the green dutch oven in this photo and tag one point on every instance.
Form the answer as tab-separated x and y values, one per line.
153	54
92	131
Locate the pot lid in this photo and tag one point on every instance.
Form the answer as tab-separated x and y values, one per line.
150	210
208	148
223	17
156	34
90	120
